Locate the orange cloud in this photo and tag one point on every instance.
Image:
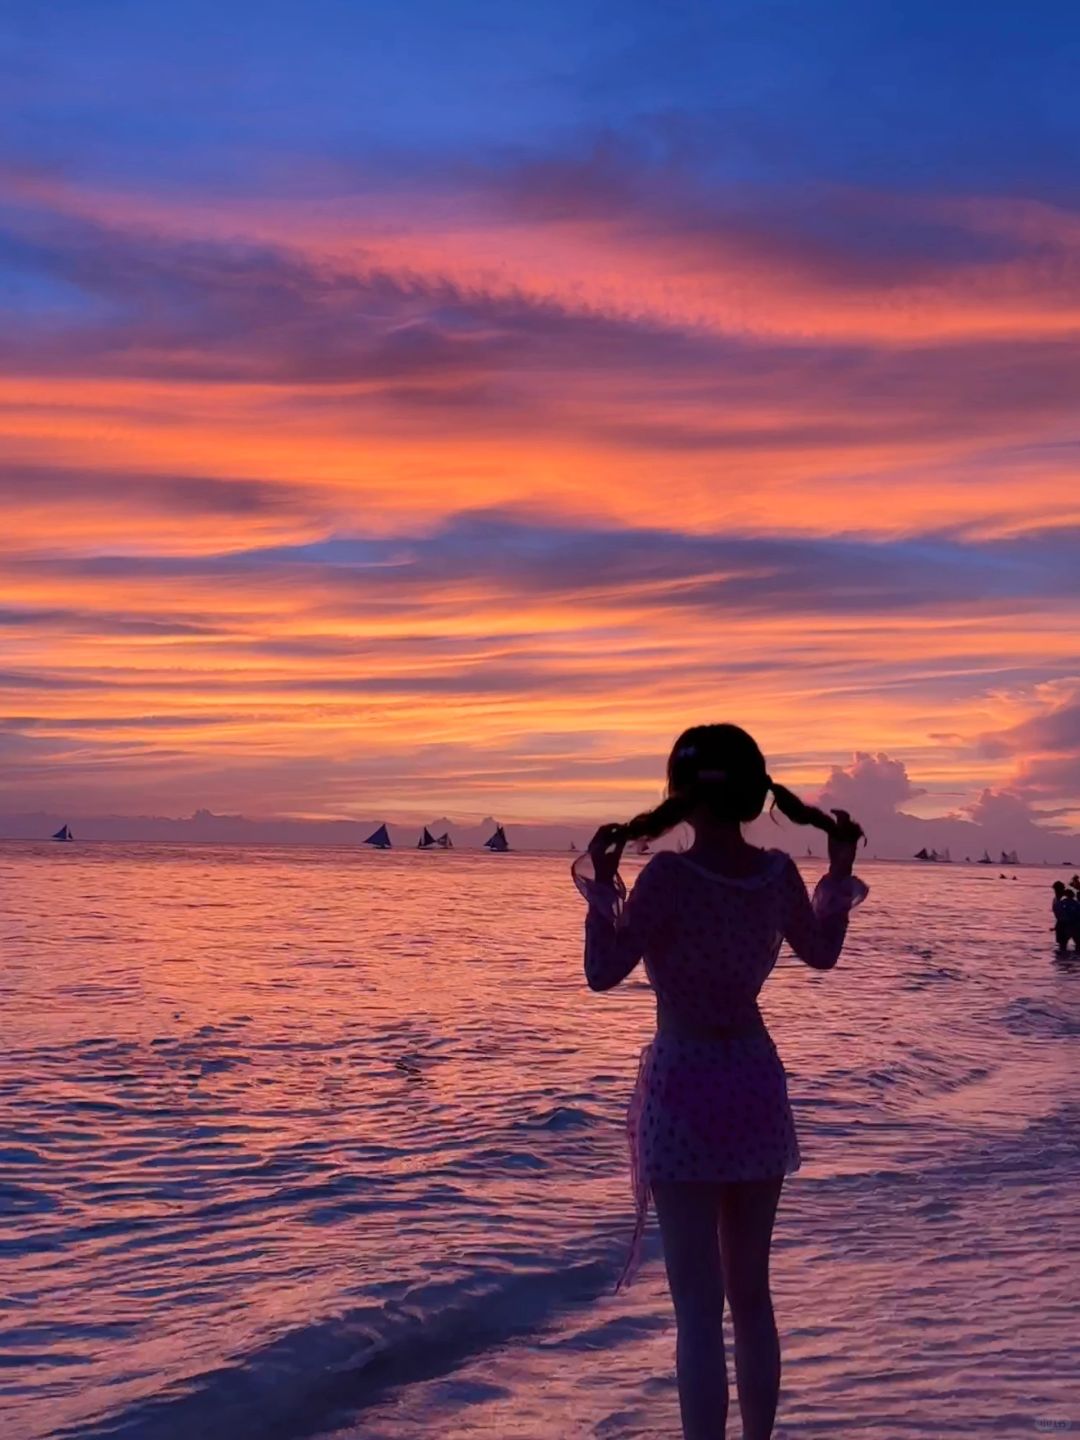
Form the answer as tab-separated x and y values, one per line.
602	458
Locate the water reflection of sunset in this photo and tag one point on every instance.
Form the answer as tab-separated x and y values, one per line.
280	1111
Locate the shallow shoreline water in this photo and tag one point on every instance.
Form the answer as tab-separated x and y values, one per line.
310	1142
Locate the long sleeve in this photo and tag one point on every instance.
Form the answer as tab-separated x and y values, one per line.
815	929
618	927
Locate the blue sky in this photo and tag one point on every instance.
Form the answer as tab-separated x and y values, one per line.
963	96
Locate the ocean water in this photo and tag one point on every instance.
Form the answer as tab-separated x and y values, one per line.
316	1142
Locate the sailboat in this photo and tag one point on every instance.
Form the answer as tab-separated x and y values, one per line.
1009	857
444	842
923	854
986	858
498	841
426	841
380	838
64	833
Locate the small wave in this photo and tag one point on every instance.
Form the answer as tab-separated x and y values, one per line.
937	1209
20	1155
1027	1016
917	1076
1043	1147
916	981
558	1117
493	1159
291	1385
25	1200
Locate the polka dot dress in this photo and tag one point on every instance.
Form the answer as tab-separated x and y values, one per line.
714	1111
717	1108
711	1102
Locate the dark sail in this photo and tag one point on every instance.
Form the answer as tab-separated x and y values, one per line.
444	842
426	840
64	833
498	841
380	838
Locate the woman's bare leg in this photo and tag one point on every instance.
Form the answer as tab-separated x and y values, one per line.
747	1212
689	1218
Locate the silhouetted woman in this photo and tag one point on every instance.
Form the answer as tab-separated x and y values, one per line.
711	1130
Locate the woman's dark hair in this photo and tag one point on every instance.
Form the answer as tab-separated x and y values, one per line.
722	768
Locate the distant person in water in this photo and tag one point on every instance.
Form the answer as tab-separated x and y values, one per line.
711	1130
1066	916
1072	915
1060	907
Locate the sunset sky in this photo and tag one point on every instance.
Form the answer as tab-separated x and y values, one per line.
431	408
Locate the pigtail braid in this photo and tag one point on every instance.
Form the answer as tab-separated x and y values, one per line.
799	813
651	824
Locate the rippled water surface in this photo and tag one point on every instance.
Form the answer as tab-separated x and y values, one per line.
311	1142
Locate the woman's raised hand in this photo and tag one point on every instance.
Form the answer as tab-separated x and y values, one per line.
843	842
605	850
